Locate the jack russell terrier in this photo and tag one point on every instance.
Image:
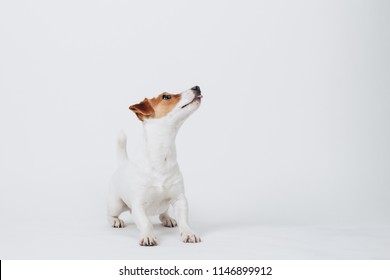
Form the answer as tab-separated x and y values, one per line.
151	181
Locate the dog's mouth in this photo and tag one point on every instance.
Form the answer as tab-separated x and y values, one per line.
196	98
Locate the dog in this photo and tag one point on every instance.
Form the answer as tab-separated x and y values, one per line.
151	181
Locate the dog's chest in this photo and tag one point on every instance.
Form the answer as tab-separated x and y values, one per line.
156	199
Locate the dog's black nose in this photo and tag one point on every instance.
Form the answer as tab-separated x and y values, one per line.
196	88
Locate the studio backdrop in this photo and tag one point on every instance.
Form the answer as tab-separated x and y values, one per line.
293	130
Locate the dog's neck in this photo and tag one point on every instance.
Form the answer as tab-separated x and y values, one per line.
159	143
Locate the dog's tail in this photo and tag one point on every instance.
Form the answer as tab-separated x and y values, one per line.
121	147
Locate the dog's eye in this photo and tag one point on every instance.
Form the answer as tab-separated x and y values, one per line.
166	97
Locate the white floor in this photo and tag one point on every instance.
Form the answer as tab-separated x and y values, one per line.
76	240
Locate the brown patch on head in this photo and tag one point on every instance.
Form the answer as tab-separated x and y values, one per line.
164	103
142	110
156	107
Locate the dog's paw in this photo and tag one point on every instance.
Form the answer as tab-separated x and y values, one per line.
118	223
149	240
169	222
190	237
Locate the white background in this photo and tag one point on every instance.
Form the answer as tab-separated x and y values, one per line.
288	156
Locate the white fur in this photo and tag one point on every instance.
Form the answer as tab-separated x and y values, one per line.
150	181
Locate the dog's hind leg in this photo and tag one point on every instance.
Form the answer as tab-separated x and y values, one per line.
166	220
115	206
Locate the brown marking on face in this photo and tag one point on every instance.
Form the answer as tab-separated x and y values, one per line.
156	107
162	106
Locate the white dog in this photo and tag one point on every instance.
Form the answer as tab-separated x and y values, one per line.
151	181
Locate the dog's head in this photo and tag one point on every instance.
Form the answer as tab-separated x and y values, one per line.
172	107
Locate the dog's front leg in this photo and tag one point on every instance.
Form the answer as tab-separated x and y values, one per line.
181	211
145	226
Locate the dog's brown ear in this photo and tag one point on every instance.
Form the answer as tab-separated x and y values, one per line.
142	110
